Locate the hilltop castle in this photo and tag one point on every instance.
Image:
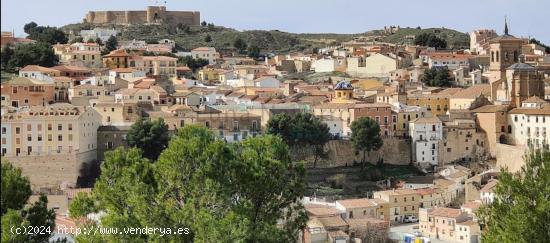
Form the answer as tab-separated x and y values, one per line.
153	14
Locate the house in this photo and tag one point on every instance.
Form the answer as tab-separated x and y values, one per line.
400	202
155	65
39	72
101	33
125	73
426	134
325	65
117	59
449	224
450	60
359	208
22	91
207	53
376	65
267	82
79	54
463	99
487	193
530	123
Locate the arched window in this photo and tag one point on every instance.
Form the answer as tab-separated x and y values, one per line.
506	56
498	58
509	129
492	56
515	56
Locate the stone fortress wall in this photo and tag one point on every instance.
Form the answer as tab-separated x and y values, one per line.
153	14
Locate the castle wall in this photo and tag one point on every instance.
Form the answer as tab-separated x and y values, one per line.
151	15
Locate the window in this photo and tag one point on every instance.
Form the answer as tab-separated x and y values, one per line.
207	124
49	137
4	130
59	127
70	126
39	137
70	137
235	125
14	90
433	128
60	138
49	127
29	138
29	127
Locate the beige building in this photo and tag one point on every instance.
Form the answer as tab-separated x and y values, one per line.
155	65
461	142
449	224
376	65
362	208
79	54
463	99
50	143
401	202
492	119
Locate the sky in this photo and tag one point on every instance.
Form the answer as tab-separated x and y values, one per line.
527	18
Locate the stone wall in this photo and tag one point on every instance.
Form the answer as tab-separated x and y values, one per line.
510	156
50	171
340	153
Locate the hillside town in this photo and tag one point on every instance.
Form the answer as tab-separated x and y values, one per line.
451	119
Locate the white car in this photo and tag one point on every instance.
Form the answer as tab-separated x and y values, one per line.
410	219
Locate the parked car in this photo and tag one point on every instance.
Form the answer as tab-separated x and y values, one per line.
410	219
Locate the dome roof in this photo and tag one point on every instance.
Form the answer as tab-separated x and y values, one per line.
521	66
343	85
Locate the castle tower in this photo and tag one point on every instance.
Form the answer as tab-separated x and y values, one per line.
504	51
343	92
155	14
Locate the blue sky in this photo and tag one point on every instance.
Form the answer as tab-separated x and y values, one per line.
527	17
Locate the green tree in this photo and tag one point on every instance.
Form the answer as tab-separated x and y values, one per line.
535	41
16	188
38	215
365	136
149	136
437	77
110	45
301	130
207	38
193	63
29	27
12	218
431	40
203	23
6	55
520	211
98	41
222	192
240	45
254	51
32	54
77	40
91	40
82	205
47	34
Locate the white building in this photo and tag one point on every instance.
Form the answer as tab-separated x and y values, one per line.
426	133
100	33
530	123
324	65
267	82
487	194
449	60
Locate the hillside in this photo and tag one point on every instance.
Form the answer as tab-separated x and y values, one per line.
269	41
